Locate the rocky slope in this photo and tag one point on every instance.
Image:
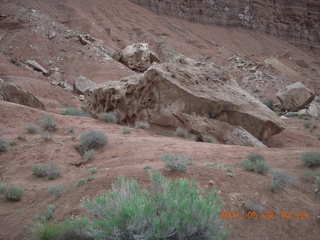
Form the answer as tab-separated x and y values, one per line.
73	40
296	20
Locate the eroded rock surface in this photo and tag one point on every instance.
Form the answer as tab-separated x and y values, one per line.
295	97
136	57
183	86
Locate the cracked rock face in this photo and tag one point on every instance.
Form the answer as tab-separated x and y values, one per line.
183	86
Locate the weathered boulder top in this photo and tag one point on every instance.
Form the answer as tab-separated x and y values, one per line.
137	56
183	86
295	97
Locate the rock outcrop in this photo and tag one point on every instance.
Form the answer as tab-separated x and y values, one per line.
136	57
295	97
295	20
81	84
221	131
15	94
183	86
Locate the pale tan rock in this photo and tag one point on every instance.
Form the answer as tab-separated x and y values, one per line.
82	83
137	56
36	66
87	39
295	97
15	94
183	86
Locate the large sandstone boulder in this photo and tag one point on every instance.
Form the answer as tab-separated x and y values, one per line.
136	57
82	83
295	97
15	94
183	86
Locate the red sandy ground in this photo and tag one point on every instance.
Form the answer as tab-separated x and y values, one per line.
128	154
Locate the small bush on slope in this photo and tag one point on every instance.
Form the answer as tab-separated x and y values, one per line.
256	163
74	112
92	139
32	128
50	171
4	145
172	211
70	229
11	193
280	180
176	162
48	123
311	159
108	117
143	125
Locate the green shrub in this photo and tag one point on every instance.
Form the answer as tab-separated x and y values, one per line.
56	190
280	179
311	159
176	162
74	112
308	175
307	124
92	170
4	145
89	155
148	167
46	136
32	128
269	103
92	139
48	214
69	229
181	132
50	171
3	187
317	180
90	178
209	139
12	193
143	125
108	117
48	123
81	182
126	130
174	210
255	162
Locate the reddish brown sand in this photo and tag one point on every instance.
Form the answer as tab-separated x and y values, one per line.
128	154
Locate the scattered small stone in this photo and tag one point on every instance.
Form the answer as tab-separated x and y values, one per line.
55	83
316	190
81	97
52	35
211	182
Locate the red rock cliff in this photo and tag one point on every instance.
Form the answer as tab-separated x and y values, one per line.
295	20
